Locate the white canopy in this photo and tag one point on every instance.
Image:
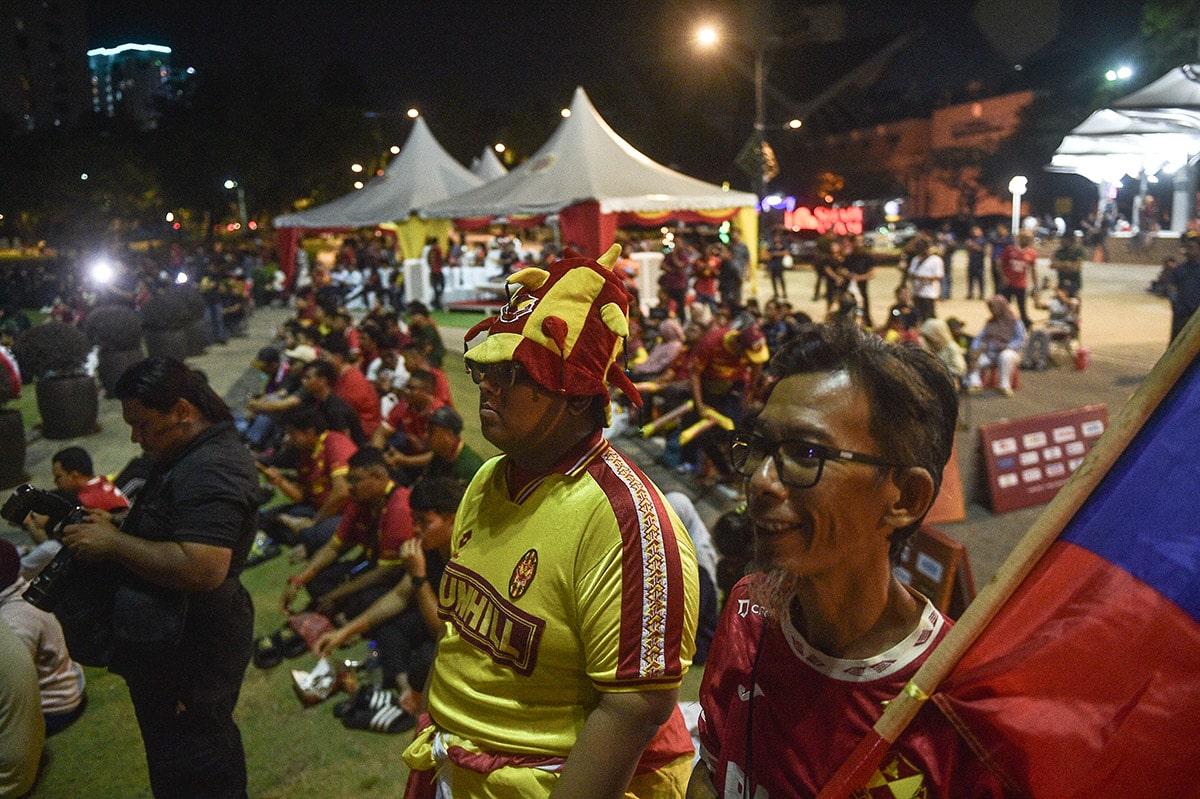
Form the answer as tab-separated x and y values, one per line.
422	173
1175	97
586	160
488	166
1111	144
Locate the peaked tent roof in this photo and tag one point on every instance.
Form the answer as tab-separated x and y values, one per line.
1175	97
422	173
488	166
586	160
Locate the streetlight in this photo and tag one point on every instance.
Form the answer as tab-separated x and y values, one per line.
1017	186
708	37
1123	72
241	198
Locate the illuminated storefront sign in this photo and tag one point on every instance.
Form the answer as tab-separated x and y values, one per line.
842	221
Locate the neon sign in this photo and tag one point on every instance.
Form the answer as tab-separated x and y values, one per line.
842	221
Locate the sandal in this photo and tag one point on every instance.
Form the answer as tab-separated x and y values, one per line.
390	720
291	645
266	652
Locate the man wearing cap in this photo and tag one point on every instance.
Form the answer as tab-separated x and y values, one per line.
1183	283
571	592
725	367
451	457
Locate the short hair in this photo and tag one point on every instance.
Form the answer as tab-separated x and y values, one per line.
912	400
418	308
423	376
158	383
438	494
336	344
74	459
306	417
366	457
446	418
324	370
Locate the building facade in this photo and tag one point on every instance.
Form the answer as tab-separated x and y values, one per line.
43	71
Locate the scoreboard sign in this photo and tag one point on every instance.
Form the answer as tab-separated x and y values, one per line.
1029	459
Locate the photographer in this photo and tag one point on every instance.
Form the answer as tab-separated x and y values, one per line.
182	622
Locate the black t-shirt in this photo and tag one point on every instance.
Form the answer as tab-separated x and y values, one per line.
859	264
206	496
338	415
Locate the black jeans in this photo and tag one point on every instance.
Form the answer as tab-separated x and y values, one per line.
184	701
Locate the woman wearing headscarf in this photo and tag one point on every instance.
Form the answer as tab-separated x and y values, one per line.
998	344
936	337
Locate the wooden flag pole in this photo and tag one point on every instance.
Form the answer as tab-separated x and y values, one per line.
870	752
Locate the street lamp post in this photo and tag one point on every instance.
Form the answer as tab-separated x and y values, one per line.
241	199
1017	186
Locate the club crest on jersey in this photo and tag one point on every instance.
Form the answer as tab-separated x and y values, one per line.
462	541
522	575
522	304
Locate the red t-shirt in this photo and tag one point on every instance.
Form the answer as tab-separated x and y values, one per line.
810	710
1017	264
100	494
441	386
317	469
713	356
380	534
359	394
414	424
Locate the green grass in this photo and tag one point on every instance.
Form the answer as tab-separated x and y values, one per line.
290	751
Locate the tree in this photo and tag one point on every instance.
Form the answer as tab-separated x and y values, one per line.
958	168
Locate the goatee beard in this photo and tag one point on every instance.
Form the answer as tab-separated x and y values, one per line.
773	589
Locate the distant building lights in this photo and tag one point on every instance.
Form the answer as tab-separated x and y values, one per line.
413	113
125	48
356	168
84	176
394	149
358	184
499	147
170	217
566	113
795	124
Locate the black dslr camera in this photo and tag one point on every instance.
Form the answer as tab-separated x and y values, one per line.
47	587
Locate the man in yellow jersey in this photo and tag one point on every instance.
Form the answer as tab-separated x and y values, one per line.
571	592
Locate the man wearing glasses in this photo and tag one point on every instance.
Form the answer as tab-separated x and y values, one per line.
840	467
571	592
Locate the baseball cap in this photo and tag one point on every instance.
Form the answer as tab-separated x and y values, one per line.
303	353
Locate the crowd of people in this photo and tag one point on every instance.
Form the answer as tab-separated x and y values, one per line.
533	656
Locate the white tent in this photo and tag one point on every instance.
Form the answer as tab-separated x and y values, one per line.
488	166
595	180
1154	129
423	172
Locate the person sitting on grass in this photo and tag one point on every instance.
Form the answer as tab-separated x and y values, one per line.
404	621
320	490
75	481
377	520
60	679
404	435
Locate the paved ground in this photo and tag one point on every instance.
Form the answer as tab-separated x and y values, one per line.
1125	327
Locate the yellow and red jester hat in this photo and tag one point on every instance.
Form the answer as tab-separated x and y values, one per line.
566	324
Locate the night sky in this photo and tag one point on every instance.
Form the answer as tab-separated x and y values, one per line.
478	70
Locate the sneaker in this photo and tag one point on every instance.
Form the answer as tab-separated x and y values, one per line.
1008	392
262	550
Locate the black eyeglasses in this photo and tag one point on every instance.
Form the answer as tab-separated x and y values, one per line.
503	374
799	464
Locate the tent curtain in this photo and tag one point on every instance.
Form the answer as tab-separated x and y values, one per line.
286	240
585	229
